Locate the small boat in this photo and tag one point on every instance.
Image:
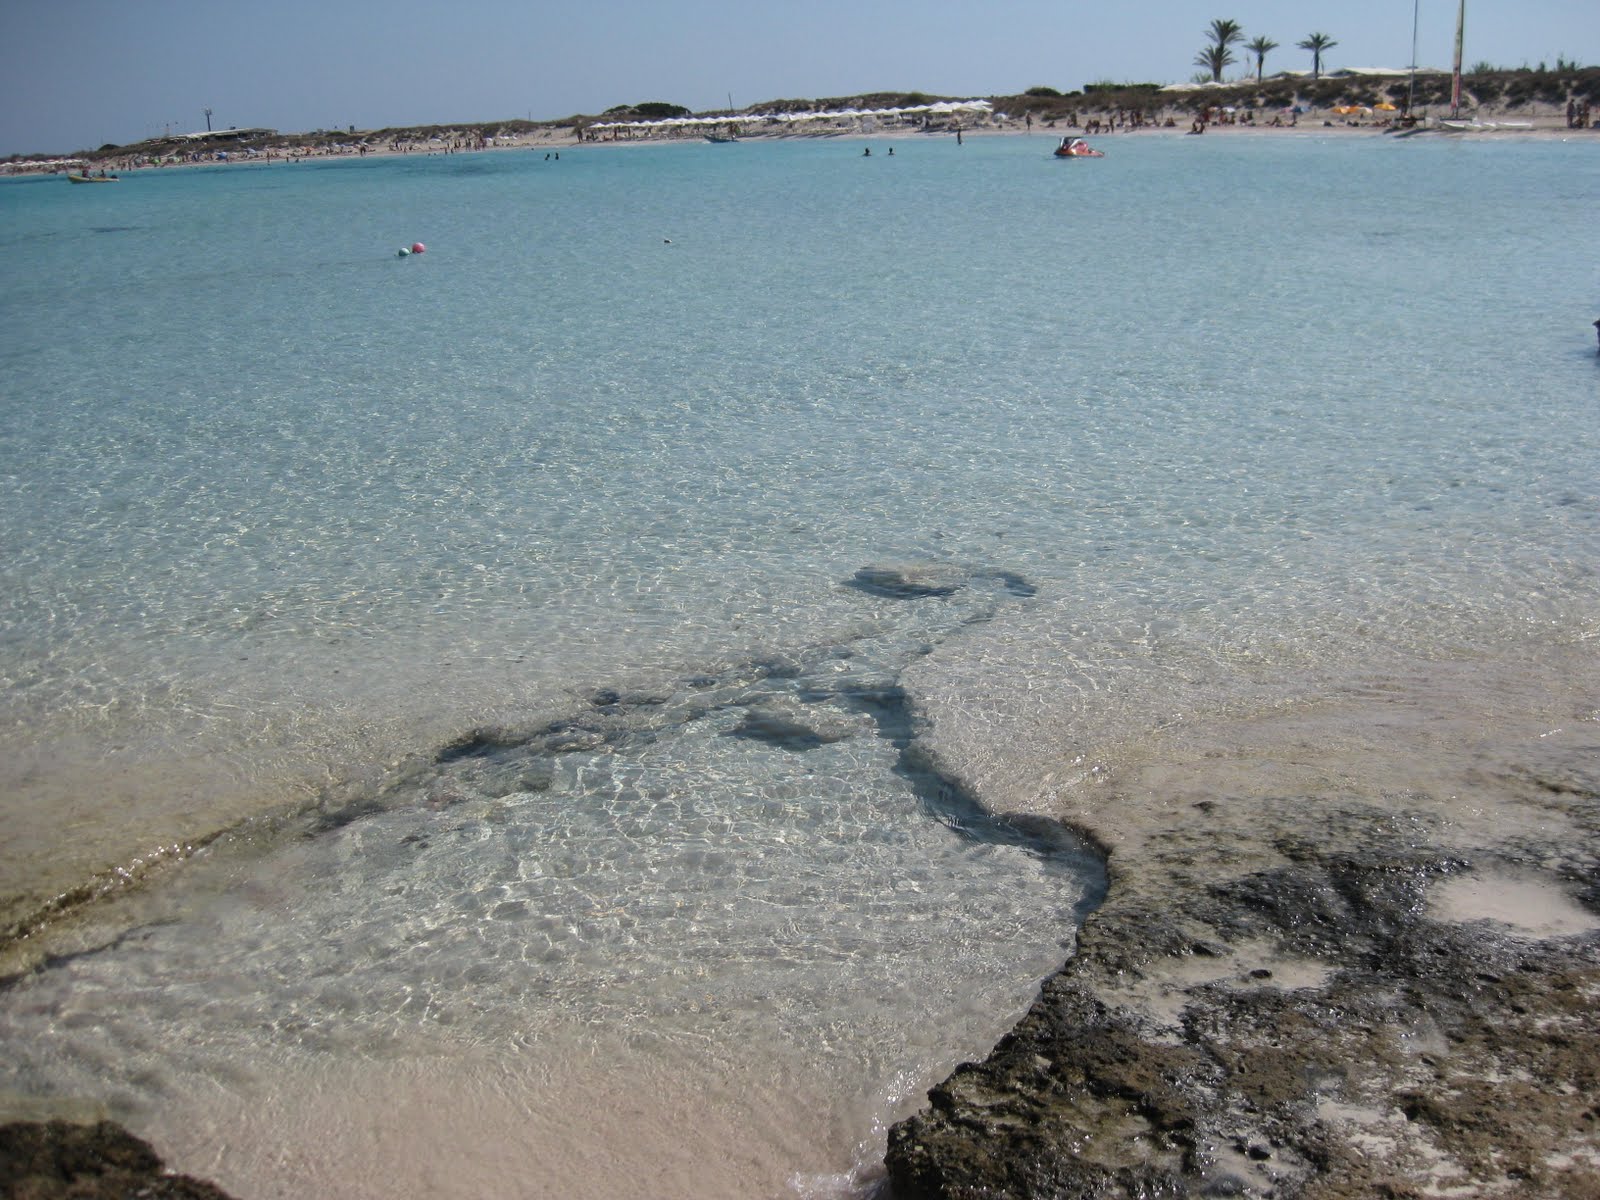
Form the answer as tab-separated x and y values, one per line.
719	138
1076	147
1476	126
91	179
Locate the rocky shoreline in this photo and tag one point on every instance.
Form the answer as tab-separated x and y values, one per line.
1311	992
58	1160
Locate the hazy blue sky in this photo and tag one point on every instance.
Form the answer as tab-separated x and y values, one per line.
80	73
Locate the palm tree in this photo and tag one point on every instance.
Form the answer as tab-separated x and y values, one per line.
1317	43
1259	48
1213	59
1225	33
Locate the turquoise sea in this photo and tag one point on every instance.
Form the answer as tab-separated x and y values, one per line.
580	700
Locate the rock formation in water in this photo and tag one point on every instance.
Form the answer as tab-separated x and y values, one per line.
1273	1002
58	1160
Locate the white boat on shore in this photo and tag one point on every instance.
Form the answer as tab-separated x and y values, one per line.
1455	122
1476	126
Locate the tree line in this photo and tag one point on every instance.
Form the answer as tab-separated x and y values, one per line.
1225	34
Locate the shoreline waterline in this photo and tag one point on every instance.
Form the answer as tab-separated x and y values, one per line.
1499	125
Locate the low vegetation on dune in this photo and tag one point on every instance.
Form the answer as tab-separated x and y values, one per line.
1519	89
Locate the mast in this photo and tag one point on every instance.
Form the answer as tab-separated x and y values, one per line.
1411	80
1455	81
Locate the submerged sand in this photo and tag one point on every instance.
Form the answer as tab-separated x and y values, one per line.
1351	948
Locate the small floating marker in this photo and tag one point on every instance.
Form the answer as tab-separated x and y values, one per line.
403	252
417	247
667	241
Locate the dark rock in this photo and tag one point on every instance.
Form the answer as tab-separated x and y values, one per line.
58	1160
1015	584
780	728
918	580
1254	1025
909	583
480	743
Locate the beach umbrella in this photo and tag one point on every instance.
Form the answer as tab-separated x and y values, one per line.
1385	106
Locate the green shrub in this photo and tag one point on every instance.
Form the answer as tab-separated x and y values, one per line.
659	110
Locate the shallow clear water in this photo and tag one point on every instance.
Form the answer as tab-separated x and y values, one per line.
1193	429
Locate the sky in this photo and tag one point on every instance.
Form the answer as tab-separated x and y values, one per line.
79	74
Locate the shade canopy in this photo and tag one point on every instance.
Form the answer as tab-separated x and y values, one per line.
942	108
